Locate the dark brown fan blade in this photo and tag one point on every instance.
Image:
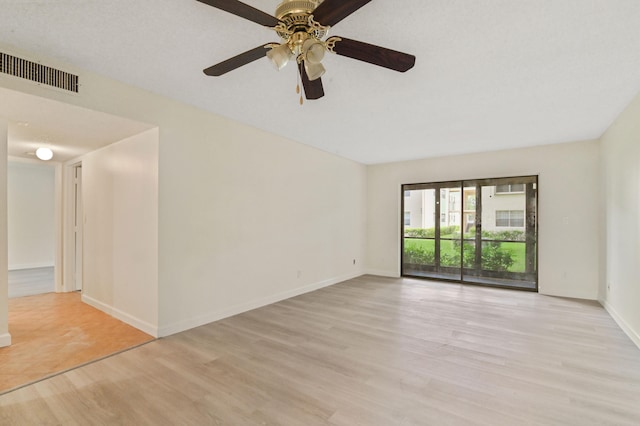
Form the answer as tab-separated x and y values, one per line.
312	89
330	12
376	55
244	11
236	61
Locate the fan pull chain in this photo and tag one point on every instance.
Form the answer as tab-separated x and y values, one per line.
298	91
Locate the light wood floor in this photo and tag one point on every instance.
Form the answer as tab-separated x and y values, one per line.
54	332
369	351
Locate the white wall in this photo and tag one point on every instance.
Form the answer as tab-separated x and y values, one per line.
216	176
620	292
120	258
31	214
248	218
5	337
568	209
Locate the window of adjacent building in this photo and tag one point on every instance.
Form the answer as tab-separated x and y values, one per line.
508	189
510	218
407	218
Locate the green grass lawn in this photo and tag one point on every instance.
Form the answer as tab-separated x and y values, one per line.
517	250
519	255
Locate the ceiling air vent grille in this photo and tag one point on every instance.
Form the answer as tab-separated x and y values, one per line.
42	74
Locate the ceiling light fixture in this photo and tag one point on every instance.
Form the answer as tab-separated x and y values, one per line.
280	55
314	71
44	153
313	52
301	36
303	27
307	49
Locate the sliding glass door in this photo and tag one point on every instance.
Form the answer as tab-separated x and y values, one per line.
479	231
432	218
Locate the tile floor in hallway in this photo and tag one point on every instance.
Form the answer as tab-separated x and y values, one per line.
54	332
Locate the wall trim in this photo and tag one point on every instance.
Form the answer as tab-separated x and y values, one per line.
543	291
121	315
5	340
31	266
248	306
629	331
382	273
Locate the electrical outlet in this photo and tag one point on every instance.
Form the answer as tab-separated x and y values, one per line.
354	261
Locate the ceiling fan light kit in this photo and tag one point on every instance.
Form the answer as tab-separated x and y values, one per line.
303	26
313	51
314	71
280	55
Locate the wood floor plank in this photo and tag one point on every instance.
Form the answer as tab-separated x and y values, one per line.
369	351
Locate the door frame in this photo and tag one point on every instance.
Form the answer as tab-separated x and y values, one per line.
70	255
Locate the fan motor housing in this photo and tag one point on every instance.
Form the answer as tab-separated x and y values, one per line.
295	7
295	16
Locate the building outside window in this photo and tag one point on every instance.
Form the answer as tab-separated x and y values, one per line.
510	189
510	218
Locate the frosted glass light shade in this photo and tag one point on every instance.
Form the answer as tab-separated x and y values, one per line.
280	56
44	153
314	51
314	71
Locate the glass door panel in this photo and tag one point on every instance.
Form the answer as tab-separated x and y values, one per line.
448	235
431	226
504	234
470	257
419	226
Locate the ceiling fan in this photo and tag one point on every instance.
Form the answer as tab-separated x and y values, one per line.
303	26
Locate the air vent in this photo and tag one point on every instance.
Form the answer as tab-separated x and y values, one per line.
42	74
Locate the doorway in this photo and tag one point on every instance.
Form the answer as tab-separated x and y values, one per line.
31	227
475	231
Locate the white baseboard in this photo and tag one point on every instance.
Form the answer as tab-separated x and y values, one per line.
567	295
5	340
122	316
30	266
248	306
382	273
629	331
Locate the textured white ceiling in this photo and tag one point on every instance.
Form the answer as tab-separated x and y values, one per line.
490	74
